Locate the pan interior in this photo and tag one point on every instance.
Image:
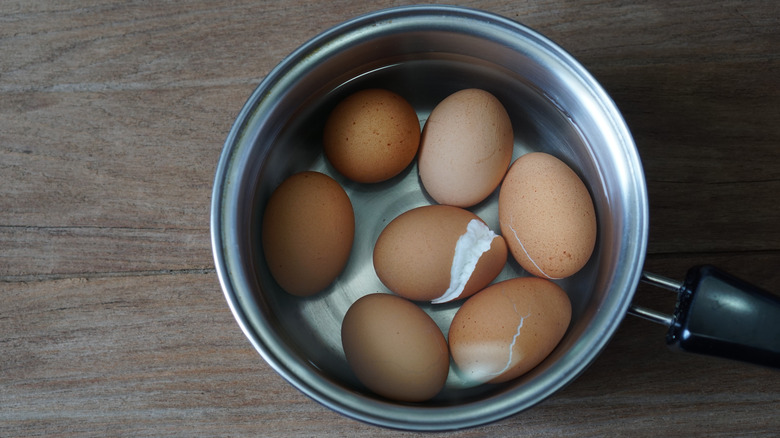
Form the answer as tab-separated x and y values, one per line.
424	55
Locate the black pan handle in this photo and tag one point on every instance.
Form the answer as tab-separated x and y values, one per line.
720	315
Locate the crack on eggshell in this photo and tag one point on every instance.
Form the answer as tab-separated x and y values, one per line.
517	238
493	152
514	341
469	248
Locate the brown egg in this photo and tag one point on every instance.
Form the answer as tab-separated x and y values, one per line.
466	148
307	232
395	348
438	253
547	216
508	328
372	135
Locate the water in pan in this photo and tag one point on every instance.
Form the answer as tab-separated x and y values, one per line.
313	324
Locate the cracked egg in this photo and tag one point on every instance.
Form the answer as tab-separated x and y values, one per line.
438	253
547	217
508	328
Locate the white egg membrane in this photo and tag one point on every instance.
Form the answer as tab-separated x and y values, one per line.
469	248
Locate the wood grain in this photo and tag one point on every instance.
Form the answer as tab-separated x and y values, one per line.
112	119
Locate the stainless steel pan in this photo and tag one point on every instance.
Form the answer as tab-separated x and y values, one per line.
425	53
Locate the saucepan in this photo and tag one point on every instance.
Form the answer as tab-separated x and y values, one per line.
425	53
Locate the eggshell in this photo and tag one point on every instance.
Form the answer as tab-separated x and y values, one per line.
508	328
372	135
466	148
438	253
307	232
547	216
395	348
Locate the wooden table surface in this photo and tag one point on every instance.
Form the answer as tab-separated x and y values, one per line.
112	118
